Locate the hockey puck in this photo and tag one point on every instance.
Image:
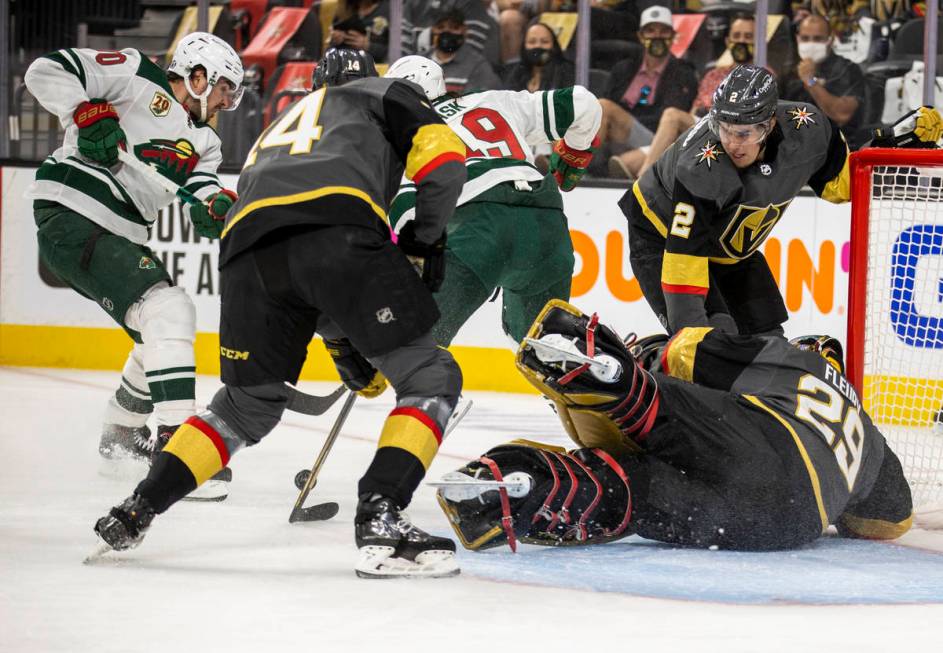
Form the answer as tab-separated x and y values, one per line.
301	478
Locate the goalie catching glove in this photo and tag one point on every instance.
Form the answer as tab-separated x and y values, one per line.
921	128
568	165
100	135
546	496
356	371
209	218
428	259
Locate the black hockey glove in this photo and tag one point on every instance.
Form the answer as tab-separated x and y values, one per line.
356	371
100	135
428	259
921	128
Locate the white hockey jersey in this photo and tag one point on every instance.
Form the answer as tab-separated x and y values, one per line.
500	128
159	130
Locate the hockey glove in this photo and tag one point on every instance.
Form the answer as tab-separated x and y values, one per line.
100	135
356	371
428	259
568	165
921	128
209	218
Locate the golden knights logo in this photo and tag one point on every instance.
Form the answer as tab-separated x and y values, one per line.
801	116
709	153
750	227
160	104
174	159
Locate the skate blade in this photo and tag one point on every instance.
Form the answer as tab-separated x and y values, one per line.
97	554
377	562
209	491
123	468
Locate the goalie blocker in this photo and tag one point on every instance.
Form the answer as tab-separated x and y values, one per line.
744	443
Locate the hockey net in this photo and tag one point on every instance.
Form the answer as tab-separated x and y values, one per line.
895	310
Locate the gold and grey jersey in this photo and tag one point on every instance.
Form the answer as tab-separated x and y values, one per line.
707	209
337	157
800	393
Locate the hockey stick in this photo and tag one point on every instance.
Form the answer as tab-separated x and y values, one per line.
302	402
327	510
152	173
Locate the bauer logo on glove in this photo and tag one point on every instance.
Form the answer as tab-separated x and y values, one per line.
568	165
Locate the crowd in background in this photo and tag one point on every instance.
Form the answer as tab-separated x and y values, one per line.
860	62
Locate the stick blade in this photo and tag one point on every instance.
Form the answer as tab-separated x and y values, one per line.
318	512
301	402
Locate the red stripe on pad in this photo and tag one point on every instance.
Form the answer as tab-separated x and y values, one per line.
415	413
683	290
443	158
213	435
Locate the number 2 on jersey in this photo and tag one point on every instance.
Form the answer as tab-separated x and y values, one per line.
298	127
489	126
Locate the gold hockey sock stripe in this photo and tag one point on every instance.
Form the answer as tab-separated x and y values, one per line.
200	448
412	430
876	529
679	355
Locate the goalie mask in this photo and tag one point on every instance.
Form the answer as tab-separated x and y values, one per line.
538	494
217	58
825	346
602	396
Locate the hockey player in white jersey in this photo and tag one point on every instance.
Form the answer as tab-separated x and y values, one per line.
94	214
509	230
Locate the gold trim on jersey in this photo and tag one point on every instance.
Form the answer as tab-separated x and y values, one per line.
813	475
306	196
429	143
838	190
658	224
685	270
876	529
681	351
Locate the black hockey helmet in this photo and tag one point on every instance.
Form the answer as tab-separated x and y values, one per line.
341	65
747	96
825	346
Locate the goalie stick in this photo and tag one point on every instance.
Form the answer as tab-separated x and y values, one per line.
321	511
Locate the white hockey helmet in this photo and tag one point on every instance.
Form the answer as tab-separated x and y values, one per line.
422	71
218	59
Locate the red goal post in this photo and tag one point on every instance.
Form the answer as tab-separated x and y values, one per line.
895	306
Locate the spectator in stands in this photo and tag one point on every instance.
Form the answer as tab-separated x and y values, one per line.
831	82
482	31
363	25
463	67
642	86
513	18
542	65
675	121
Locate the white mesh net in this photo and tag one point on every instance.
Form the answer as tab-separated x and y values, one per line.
903	321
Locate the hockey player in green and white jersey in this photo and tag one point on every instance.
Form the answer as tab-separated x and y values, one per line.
94	214
509	230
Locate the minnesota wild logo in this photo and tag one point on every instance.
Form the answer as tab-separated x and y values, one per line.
174	159
709	153
147	263
802	116
750	227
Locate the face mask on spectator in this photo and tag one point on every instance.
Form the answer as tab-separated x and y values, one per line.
741	52
814	51
537	56
449	42
657	48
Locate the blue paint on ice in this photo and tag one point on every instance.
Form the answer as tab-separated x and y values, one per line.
829	571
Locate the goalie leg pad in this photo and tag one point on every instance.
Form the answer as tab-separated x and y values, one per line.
612	405
577	497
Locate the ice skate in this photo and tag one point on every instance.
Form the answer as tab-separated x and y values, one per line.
391	547
124	525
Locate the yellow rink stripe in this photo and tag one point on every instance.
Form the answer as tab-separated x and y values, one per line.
405	432
483	368
197	452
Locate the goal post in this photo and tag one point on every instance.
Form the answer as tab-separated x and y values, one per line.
895	306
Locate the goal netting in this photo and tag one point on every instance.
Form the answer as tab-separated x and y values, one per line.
895	309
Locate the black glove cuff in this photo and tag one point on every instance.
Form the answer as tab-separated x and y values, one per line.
412	246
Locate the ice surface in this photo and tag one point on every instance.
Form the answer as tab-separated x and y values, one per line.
236	576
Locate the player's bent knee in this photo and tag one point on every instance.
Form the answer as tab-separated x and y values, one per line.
250	412
164	313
